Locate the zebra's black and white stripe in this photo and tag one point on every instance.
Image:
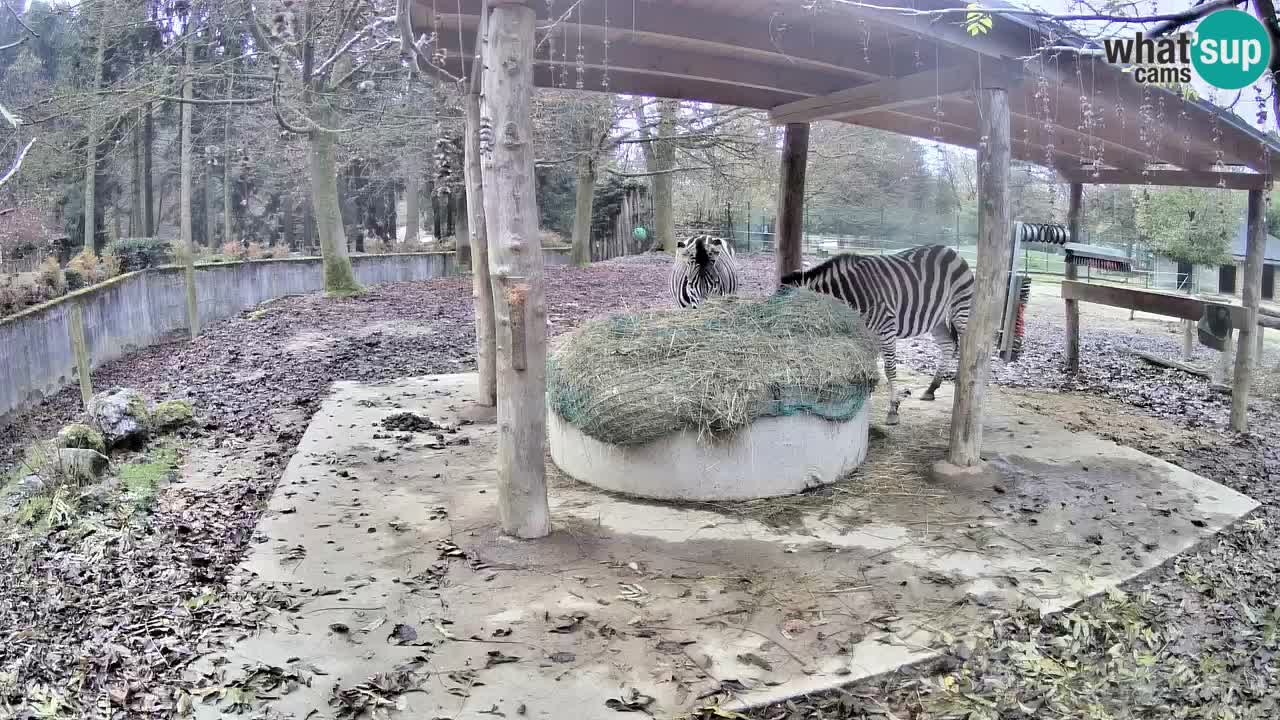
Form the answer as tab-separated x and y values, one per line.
704	266
904	295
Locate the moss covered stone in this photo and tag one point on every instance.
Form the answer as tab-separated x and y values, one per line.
171	415
79	435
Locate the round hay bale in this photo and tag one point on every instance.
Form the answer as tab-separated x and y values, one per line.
639	396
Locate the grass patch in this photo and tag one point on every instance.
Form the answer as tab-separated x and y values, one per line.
141	480
45	512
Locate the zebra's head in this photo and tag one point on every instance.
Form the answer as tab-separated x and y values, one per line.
702	250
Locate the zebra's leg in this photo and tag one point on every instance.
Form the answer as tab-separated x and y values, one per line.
942	336
889	351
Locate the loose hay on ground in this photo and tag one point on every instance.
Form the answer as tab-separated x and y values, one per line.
631	379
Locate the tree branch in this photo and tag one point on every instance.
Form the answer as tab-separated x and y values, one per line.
17	164
18	16
1197	11
275	105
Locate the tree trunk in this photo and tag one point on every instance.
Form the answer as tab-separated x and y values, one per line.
511	217
994	255
184	200
210	217
791	172
412	192
663	183
135	180
287	221
227	177
339	278
1250	297
91	141
148	208
584	195
462	232
481	284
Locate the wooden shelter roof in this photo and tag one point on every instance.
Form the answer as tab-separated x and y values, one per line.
907	74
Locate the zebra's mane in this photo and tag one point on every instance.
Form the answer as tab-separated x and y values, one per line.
837	259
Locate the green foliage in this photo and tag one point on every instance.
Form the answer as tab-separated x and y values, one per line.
555	191
140	253
1189	224
141	480
976	21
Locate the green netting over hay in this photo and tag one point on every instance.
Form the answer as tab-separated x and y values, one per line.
631	379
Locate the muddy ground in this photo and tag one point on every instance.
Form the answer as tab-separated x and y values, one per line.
110	619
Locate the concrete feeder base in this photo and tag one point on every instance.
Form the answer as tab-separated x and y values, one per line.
772	456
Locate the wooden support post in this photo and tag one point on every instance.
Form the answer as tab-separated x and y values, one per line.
1073	307
790	237
1257	353
993	259
1251	297
1010	307
481	286
80	348
515	262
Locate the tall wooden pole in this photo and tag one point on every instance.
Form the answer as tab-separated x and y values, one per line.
481	286
515	262
790	233
994	253
1251	297
1073	307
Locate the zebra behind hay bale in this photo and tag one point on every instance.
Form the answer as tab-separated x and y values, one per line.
903	295
704	266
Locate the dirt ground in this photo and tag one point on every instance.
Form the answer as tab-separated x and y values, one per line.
111	618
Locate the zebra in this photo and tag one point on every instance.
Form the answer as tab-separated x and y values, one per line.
903	295
704	266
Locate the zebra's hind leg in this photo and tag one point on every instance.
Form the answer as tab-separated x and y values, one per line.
949	348
889	351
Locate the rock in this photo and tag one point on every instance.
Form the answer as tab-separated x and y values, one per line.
121	415
79	435
171	415
81	465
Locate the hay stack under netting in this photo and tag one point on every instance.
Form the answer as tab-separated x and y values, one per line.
631	379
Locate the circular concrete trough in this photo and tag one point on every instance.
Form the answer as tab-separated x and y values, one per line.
771	457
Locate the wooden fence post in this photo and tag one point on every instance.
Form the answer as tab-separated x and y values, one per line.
1073	307
515	261
1251	297
994	253
80	348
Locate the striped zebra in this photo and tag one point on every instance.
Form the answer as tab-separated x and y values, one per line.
704	266
904	295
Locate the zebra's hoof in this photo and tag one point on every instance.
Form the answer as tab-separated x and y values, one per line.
928	396
892	419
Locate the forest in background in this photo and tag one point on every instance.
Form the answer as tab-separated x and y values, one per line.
135	128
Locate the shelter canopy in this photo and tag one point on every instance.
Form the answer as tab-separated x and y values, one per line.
916	75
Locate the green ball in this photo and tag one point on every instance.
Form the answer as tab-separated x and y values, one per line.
640	233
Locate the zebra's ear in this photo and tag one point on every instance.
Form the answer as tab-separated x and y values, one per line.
680	244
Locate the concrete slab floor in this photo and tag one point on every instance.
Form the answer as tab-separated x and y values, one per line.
371	529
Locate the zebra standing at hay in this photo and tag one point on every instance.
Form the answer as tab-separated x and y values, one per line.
704	266
903	295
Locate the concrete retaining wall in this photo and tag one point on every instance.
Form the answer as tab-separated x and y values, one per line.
142	308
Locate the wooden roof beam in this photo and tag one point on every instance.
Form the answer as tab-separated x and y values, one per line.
951	133
661	24
1173	178
892	93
